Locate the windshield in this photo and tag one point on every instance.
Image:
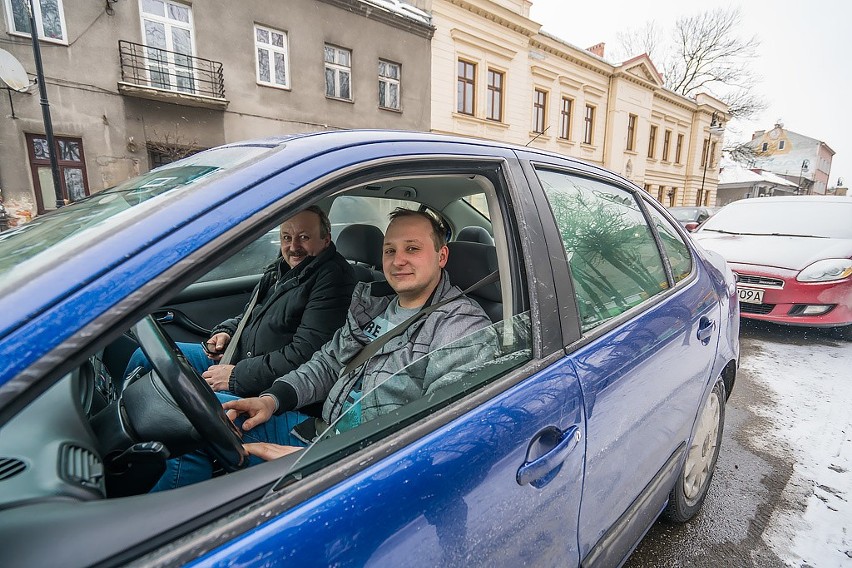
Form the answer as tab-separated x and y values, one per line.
828	219
25	242
687	214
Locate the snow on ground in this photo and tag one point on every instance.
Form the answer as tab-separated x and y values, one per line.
812	427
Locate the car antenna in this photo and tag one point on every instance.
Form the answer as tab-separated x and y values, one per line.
537	135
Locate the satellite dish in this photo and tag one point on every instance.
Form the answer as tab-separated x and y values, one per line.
12	72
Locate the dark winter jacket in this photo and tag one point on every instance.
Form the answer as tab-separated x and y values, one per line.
320	379
298	310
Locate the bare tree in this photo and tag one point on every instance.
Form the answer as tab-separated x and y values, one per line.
704	53
172	145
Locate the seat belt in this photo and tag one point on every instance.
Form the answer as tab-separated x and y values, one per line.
373	347
235	339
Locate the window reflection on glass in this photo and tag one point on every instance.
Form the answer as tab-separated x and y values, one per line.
41	149
263	64
51	20
74	185
69	151
675	249
612	255
155	7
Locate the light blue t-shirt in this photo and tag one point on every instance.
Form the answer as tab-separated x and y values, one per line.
378	326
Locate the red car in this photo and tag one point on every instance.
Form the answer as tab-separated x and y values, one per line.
792	256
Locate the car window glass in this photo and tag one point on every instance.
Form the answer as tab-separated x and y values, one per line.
479	203
355	209
675	249
427	384
249	261
828	219
21	244
612	255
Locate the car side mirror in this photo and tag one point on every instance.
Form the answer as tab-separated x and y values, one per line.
691	226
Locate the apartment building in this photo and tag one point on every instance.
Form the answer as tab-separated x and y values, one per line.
496	75
800	159
137	83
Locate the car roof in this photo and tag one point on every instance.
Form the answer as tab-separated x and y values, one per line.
794	198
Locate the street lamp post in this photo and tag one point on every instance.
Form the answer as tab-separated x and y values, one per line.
805	165
45	109
716	127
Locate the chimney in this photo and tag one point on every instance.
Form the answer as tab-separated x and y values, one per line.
597	49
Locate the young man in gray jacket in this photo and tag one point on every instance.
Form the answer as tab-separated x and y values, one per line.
414	254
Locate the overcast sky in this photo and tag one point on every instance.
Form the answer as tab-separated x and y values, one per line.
805	57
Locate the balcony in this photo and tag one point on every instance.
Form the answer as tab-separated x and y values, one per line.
160	75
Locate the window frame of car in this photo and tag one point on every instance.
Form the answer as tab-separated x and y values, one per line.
532	162
519	217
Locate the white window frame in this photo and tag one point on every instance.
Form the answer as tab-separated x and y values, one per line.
169	23
388	81
38	22
338	68
271	50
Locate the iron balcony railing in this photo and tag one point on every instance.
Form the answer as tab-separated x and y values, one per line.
147	66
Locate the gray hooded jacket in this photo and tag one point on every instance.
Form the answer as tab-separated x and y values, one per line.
320	378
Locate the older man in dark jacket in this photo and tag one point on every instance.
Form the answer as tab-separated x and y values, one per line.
302	299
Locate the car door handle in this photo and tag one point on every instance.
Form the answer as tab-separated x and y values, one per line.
705	329
540	467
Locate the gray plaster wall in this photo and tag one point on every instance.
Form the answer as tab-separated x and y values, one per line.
82	83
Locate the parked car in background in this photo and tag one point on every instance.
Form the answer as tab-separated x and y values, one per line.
691	217
792	256
616	340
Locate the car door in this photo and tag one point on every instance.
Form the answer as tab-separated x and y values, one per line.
493	479
645	355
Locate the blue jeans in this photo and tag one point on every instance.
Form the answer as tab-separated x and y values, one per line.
198	466
193	352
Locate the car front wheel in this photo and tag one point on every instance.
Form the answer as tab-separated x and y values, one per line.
693	482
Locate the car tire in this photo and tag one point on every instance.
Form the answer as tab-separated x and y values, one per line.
693	480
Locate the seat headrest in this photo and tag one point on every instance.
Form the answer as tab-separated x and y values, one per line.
361	243
469	263
475	234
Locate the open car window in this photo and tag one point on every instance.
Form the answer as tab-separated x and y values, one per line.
463	366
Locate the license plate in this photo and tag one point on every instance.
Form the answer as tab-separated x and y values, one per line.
750	295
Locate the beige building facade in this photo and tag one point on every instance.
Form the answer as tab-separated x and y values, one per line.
496	75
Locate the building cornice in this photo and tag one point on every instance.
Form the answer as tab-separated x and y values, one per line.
385	16
575	56
462	36
497	14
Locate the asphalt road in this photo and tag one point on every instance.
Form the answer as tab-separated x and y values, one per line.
783	484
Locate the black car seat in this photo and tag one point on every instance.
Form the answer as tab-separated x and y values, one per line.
469	263
362	246
475	234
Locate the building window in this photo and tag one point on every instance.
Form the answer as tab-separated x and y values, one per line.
273	62
713	155
661	192
72	170
494	102
631	132
652	142
780	144
672	197
589	125
168	36
466	87
667	140
565	123
389	84
539	111
704	152
48	15
678	148
338	72
765	147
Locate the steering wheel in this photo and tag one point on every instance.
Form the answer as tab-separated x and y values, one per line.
192	395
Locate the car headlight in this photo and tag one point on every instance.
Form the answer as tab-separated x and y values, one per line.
826	270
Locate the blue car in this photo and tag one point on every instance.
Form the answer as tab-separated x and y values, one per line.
602	408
